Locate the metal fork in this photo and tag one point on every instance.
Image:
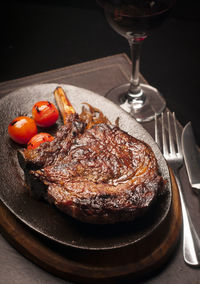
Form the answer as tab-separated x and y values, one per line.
174	157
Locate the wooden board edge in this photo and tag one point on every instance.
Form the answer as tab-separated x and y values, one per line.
30	246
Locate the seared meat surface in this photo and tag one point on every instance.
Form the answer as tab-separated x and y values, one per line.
48	152
96	175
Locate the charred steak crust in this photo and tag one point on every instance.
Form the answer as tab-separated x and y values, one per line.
48	152
97	175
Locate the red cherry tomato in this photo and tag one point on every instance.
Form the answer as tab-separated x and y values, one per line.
45	113
39	138
21	129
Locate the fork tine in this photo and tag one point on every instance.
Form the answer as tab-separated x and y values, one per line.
171	142
156	132
178	141
164	140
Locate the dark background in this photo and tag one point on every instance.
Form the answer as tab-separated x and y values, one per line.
38	36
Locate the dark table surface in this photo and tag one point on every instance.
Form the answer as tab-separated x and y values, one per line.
38	36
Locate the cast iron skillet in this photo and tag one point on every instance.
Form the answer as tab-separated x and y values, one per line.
45	218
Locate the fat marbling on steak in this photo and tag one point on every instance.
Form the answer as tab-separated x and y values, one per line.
98	175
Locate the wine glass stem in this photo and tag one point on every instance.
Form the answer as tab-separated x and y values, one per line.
135	43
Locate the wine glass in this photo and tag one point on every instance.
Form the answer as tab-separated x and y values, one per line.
135	19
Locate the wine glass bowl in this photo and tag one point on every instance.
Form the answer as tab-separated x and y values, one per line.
135	20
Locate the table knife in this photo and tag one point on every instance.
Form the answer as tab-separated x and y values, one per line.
191	156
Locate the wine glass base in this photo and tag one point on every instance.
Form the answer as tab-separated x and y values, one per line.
142	111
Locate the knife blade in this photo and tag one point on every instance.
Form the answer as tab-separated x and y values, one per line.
191	156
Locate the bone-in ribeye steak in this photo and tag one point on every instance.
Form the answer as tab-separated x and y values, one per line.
97	175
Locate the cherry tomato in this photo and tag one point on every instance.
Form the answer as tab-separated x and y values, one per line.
45	113
39	138
21	129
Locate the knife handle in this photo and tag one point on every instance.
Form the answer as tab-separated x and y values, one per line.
191	241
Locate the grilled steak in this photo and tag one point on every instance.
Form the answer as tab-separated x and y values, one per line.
97	175
47	153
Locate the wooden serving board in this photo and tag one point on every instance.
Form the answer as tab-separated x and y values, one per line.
82	266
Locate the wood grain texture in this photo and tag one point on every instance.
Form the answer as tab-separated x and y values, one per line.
88	266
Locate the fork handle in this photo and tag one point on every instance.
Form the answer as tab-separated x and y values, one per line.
191	241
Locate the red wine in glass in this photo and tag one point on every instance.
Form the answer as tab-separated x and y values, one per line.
137	16
135	20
